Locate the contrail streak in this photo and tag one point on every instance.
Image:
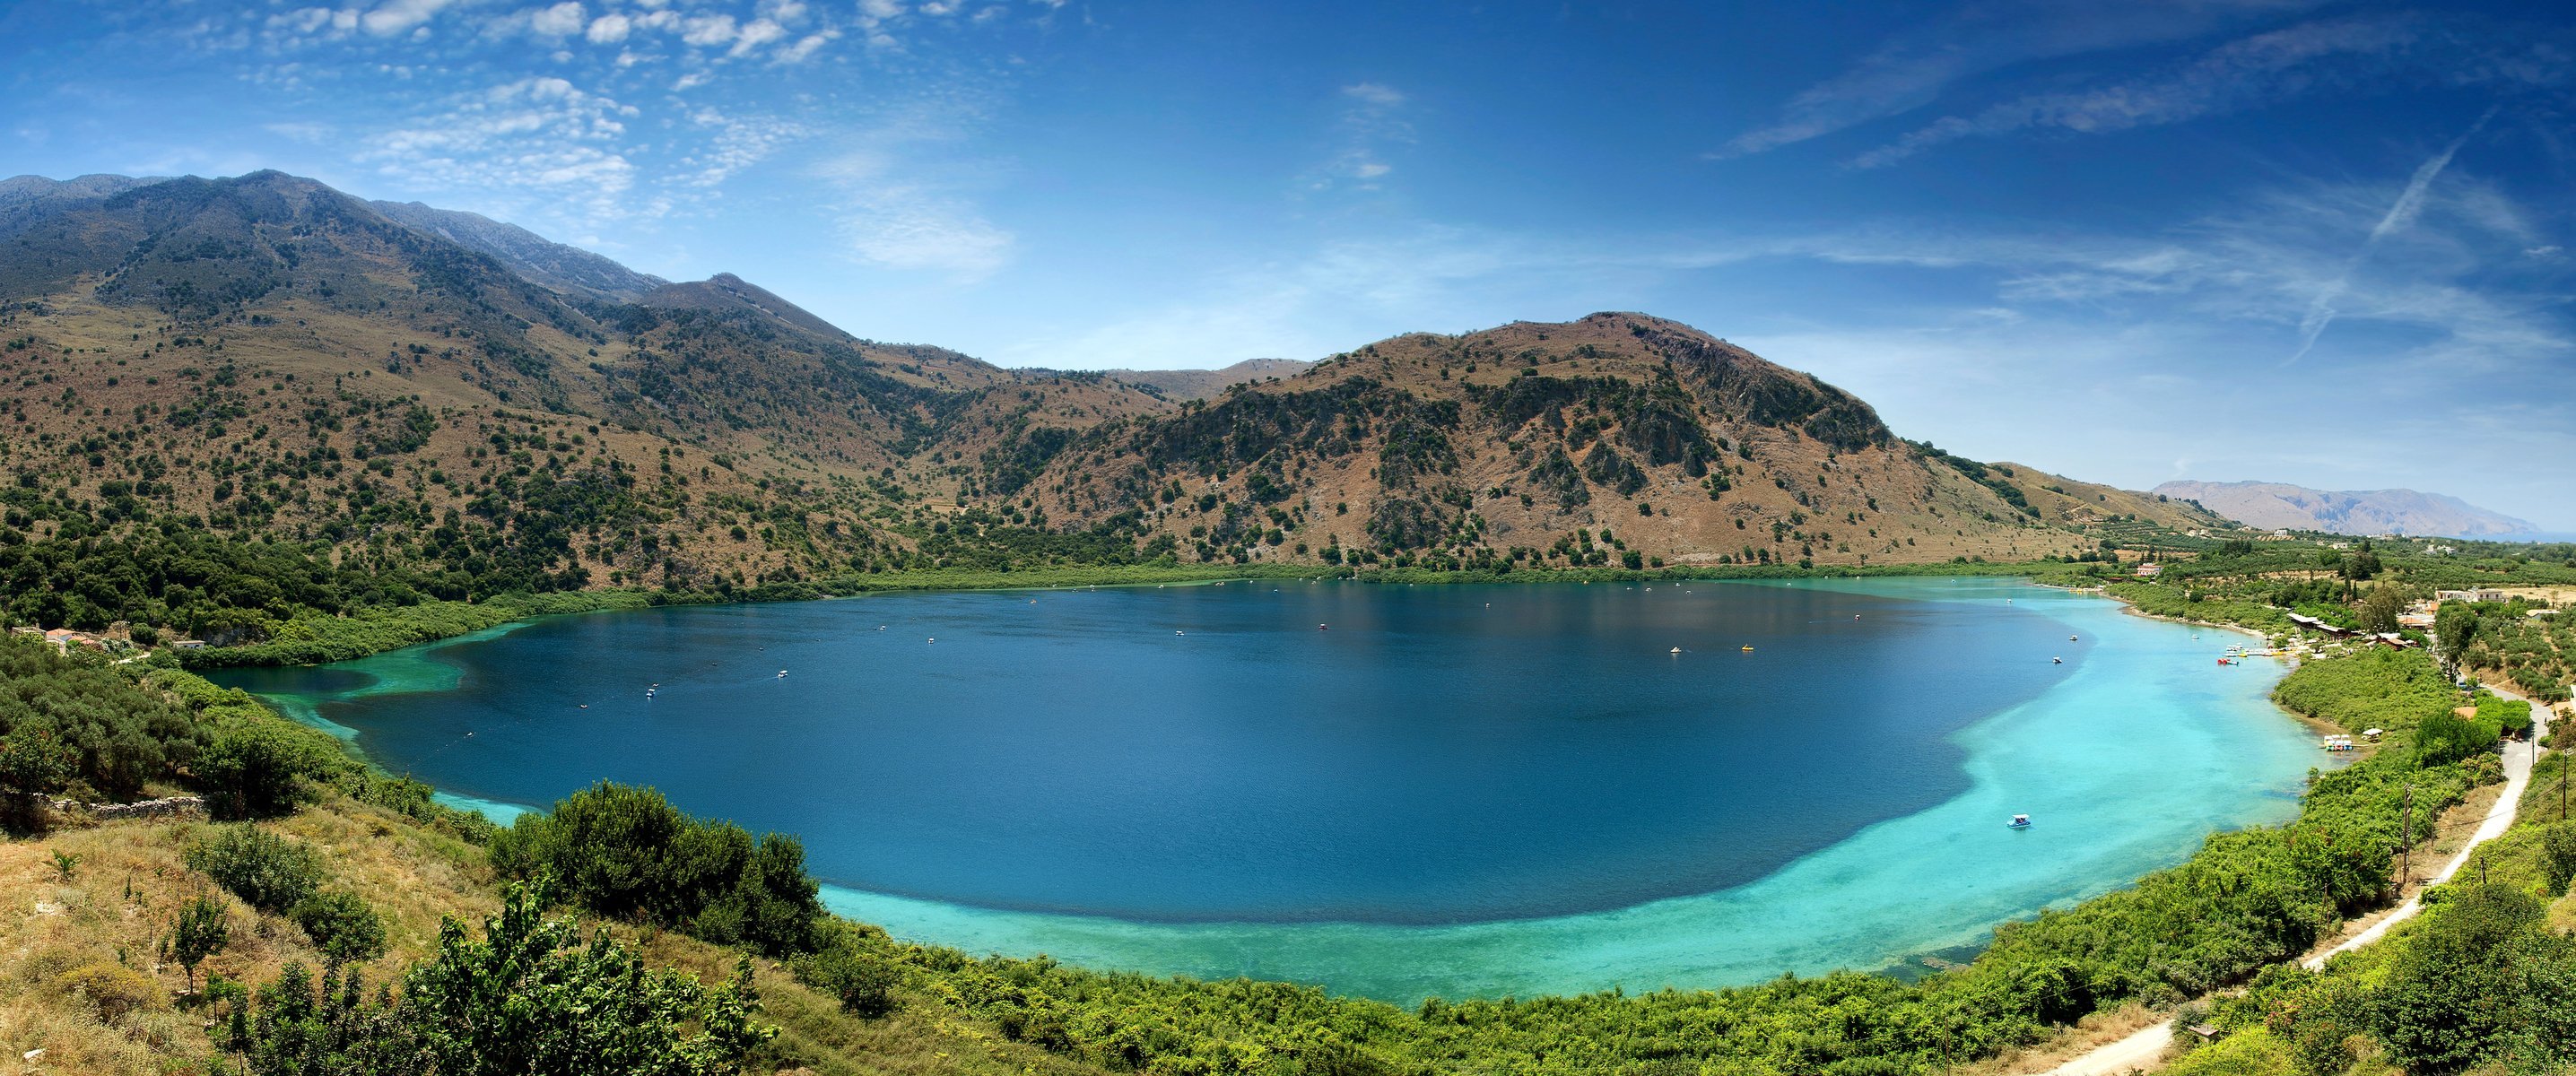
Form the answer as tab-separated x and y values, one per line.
2402	212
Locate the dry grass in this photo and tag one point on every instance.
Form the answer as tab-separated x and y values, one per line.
80	978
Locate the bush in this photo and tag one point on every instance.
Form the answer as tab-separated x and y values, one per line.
864	981
530	997
263	768
2446	737
341	924
109	990
625	852
266	871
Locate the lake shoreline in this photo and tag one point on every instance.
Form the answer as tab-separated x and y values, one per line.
1893	958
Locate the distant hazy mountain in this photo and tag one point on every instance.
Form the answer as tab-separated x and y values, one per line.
1202	384
541	260
2379	511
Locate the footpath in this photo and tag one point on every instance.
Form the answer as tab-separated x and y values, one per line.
2144	1050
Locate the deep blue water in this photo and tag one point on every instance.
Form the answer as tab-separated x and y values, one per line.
1440	756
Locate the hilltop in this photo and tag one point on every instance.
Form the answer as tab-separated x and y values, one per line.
1201	384
431	403
1618	438
2279	505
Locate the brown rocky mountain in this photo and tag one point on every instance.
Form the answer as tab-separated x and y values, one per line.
1532	439
270	358
2278	505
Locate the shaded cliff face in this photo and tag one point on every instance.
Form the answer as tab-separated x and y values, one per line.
2278	505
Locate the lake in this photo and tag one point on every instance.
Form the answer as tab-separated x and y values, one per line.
1396	791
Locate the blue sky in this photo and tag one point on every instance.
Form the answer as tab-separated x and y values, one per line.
2294	240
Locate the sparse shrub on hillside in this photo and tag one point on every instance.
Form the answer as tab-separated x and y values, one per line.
341	923
266	871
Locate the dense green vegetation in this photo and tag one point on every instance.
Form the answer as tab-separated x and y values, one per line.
75	725
528	997
627	853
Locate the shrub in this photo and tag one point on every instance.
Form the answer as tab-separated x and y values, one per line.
864	981
625	852
266	871
109	990
263	768
341	924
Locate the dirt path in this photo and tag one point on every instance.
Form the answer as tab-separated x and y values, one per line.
2145	1049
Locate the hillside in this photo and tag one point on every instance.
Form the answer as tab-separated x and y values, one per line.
416	403
2280	506
1528	442
1201	384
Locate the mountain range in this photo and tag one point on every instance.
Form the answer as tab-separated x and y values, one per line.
2280	506
269	357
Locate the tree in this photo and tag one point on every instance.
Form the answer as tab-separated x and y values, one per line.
202	930
34	763
2379	610
531	998
260	769
2451	999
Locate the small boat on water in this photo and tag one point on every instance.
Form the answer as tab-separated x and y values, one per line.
1748	648
2057	661
782	674
2019	821
2070	638
1677	650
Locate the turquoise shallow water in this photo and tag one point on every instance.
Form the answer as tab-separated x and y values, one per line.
1554	804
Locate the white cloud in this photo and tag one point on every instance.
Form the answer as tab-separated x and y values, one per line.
396	16
805	47
705	31
1917	67
900	207
756	33
739	142
561	20
1374	94
543	137
609	29
2253	72
1369	125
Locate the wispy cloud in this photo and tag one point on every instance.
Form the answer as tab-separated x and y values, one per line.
1916	68
904	202
2401	213
2259	70
537	135
1371	123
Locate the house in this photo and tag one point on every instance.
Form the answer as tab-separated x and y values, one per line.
2314	624
187	644
28	629
2482	594
2394	641
2150	570
2417	621
62	638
